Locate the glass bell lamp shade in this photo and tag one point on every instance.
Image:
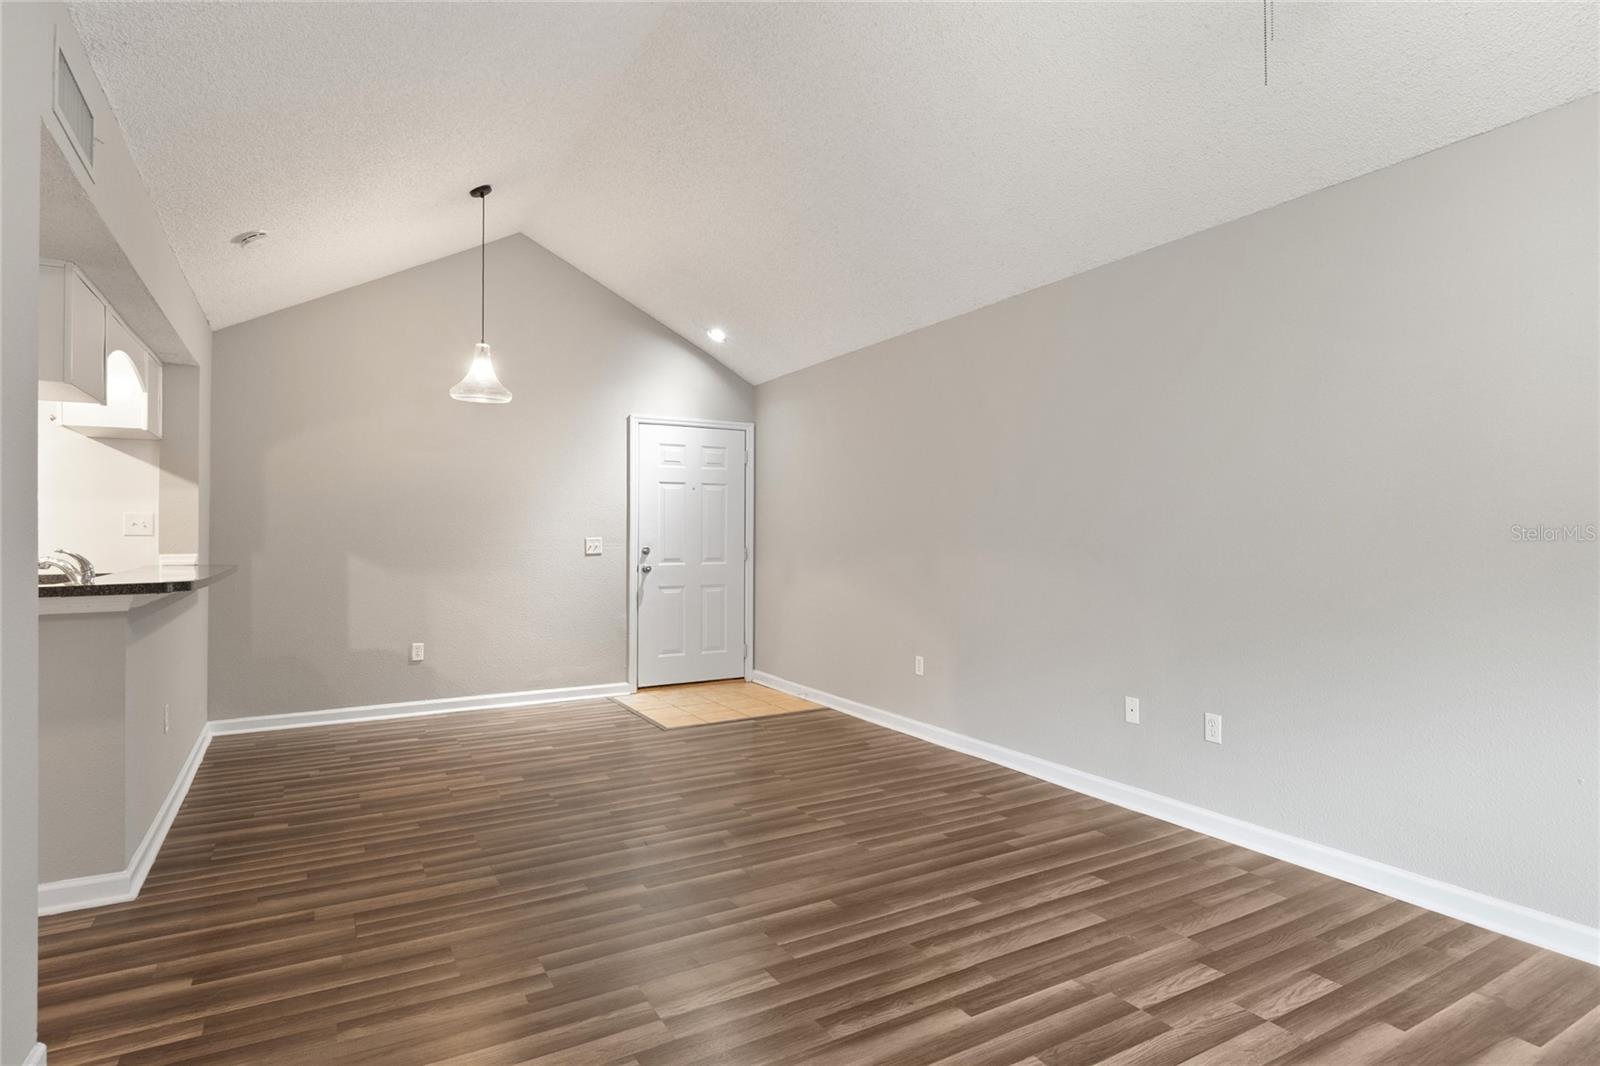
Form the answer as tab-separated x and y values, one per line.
480	385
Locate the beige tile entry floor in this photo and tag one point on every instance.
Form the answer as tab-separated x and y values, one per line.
710	702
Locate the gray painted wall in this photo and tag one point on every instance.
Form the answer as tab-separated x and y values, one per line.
368	510
166	672
24	72
1271	471
83	775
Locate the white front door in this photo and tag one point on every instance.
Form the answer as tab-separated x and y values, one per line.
691	554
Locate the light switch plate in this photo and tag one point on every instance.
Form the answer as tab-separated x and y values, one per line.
138	524
416	652
591	546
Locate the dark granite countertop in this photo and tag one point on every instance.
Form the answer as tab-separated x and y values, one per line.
144	580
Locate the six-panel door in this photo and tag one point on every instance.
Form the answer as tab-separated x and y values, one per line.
691	554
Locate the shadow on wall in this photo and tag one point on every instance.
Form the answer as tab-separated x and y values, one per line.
318	690
181	450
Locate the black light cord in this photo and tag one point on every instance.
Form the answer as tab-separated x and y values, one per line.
483	270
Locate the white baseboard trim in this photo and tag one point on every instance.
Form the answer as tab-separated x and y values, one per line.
35	1057
381	711
98	890
1497	915
76	893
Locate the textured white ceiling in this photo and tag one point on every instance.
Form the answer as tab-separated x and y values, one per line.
813	177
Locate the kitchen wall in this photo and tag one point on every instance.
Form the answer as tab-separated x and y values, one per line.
1274	471
123	698
86	484
368	510
29	35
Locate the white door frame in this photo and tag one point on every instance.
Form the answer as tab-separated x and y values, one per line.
749	429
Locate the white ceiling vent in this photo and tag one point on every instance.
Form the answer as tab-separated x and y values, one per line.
72	108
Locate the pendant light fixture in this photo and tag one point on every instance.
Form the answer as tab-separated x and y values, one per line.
480	385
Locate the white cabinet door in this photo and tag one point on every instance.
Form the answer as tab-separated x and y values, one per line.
691	554
72	336
133	391
86	354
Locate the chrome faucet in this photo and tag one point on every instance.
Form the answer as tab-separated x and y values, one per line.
76	569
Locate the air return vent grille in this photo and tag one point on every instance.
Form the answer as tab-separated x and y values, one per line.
72	108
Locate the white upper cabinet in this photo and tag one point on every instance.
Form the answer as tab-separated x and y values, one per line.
133	390
72	336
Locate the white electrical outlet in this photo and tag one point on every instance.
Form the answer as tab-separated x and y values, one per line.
917	665
1130	709
591	546
416	652
138	524
166	718
1213	728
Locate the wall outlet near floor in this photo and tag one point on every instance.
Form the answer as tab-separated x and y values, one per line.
916	665
138	524
416	652
1130	709
1213	728
166	718
591	545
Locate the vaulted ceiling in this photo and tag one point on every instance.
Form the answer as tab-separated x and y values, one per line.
812	177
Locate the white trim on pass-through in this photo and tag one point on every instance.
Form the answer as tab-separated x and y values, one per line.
98	890
1497	915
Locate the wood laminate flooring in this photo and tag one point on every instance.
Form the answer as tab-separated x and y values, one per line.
574	885
712	703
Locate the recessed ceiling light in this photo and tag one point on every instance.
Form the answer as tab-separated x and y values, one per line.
717	333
